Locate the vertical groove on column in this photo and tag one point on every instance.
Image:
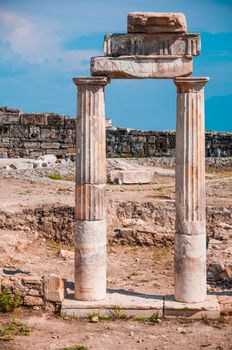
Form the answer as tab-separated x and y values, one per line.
91	172
186	164
90	202
192	160
197	135
189	159
91	163
190	237
90	237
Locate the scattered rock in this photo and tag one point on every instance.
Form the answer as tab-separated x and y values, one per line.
95	319
66	254
45	161
54	288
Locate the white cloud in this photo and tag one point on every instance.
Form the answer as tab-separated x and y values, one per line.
39	30
39	43
34	41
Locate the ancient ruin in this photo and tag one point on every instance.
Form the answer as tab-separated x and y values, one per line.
113	237
29	135
157	46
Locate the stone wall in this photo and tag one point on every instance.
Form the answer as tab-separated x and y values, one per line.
31	135
135	143
45	291
127	222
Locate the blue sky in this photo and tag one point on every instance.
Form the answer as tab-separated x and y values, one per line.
43	44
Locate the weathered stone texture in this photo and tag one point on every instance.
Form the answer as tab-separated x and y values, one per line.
90	237
54	288
156	22
128	143
141	67
119	142
90	260
190	237
31	135
91	202
178	45
34	290
58	222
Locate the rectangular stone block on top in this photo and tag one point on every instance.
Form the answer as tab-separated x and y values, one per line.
9	118
55	119
54	288
129	67
156	22
34	119
170	44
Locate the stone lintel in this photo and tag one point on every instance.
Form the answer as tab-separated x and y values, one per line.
129	67
91	81
133	304
156	22
170	44
208	308
189	84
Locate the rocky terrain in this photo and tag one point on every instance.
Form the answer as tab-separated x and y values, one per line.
36	230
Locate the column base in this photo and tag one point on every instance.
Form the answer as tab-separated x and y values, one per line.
90	260
190	268
123	304
208	308
117	302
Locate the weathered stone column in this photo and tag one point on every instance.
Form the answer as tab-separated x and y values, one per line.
190	237
90	238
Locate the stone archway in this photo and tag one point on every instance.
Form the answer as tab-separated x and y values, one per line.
157	46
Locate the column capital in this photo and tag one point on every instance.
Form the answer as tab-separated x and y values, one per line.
81	81
190	84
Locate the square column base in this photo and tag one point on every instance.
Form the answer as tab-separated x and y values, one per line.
208	308
131	304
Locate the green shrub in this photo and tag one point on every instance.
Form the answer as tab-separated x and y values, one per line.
141	319
54	176
76	347
154	318
8	301
117	314
12	328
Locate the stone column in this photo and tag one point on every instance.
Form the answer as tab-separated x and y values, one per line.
90	238
190	236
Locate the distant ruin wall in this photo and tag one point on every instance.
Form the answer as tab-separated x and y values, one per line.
32	135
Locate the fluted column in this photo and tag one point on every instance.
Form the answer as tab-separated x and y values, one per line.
190	236
90	238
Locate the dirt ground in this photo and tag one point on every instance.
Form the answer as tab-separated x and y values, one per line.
140	269
48	332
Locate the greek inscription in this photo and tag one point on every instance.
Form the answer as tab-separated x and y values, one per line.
143	68
115	66
131	67
178	67
163	67
121	68
154	68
